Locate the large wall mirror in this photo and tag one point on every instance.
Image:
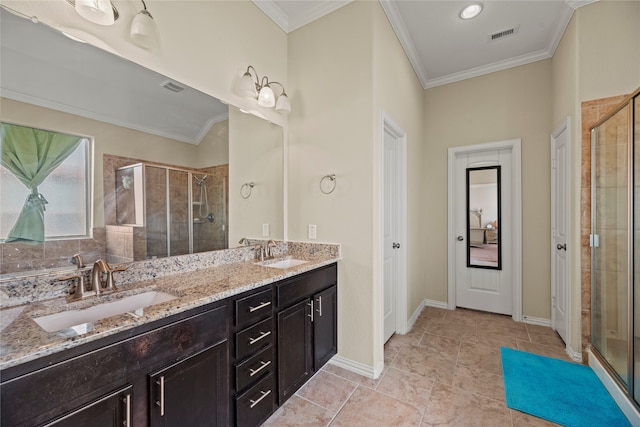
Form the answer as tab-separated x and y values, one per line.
483	218
181	154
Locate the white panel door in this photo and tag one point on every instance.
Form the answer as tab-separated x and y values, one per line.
560	194
391	254
481	288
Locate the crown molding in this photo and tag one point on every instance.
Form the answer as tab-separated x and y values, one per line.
292	23
274	12
397	23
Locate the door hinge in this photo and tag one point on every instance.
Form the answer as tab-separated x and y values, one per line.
594	240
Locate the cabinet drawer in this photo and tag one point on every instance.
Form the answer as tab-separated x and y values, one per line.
298	288
253	308
254	368
257	403
254	338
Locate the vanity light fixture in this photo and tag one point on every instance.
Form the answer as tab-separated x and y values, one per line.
261	89
100	12
144	31
471	11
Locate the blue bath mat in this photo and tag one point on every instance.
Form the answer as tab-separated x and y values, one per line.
561	392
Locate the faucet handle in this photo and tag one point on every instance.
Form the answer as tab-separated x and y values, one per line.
80	291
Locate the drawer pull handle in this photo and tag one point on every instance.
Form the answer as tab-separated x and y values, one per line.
263	365
262	335
258	307
160	403
127	404
255	402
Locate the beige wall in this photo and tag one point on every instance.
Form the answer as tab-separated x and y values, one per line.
398	92
255	155
504	105
598	57
331	131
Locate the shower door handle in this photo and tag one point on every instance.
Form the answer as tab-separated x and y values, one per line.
561	247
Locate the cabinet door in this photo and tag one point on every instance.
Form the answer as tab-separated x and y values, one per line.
295	357
325	326
192	392
112	410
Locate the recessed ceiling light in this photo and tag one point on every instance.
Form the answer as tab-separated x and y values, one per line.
471	11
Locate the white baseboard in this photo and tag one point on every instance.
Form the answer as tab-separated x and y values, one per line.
434	303
536	321
625	405
357	367
576	356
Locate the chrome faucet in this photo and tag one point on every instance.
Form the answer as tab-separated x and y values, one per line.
99	267
271	244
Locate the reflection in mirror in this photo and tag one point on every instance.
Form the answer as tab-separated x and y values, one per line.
136	116
483	218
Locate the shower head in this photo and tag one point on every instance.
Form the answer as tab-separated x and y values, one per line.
200	181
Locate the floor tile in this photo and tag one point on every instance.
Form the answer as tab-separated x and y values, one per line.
544	350
448	407
406	387
370	408
479	381
445	372
300	412
478	356
426	362
352	376
327	390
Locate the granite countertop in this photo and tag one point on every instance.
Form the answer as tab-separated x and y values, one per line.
22	340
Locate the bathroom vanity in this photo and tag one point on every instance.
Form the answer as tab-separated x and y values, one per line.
238	341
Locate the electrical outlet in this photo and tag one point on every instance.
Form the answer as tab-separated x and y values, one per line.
313	231
265	230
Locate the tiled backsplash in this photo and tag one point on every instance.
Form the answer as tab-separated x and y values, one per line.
18	257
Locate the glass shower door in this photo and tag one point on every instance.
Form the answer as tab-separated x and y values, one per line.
610	246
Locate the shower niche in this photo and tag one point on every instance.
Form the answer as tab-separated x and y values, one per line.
164	211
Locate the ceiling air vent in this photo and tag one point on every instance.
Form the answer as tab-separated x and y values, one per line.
504	33
173	87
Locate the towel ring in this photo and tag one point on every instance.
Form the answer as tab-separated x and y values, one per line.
245	190
328	183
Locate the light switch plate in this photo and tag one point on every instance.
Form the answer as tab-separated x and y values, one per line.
265	230
313	231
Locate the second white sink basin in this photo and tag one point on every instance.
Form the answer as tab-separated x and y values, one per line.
79	320
282	263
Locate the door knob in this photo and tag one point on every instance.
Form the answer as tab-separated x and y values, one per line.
460	238
396	246
561	247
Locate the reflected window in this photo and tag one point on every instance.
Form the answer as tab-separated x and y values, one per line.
483	218
49	171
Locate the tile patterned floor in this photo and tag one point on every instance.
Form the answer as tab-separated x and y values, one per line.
445	372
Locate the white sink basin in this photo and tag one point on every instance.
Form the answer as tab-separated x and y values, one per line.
79	320
282	263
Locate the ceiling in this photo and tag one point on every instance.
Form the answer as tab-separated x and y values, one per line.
443	48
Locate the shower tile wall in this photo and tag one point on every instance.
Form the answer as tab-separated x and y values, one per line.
592	111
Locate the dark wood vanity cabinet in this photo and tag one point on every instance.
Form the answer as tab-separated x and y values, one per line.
307	327
109	381
232	362
254	365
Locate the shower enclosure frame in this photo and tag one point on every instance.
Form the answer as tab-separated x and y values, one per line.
167	188
628	385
